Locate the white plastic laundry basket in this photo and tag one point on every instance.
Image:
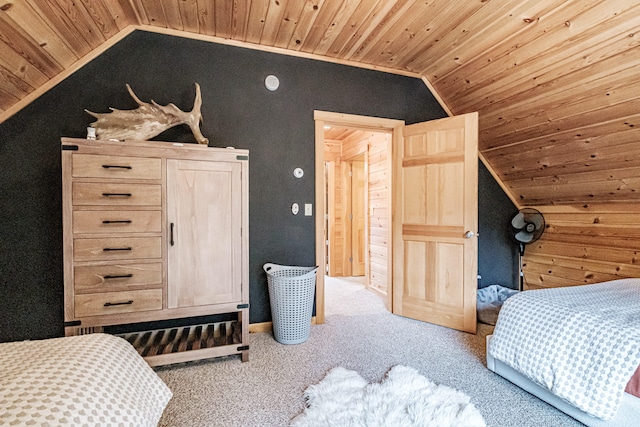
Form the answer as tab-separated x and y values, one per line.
291	291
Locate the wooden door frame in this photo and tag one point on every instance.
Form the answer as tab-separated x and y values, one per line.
322	119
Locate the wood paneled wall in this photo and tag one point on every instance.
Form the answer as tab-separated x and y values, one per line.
584	245
377	146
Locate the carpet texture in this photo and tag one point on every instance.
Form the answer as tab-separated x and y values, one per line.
359	334
404	398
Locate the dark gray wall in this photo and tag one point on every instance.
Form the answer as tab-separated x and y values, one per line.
497	253
277	127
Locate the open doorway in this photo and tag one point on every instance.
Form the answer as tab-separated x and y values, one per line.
355	173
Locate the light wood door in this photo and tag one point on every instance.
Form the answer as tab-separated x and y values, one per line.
204	213
435	222
358	218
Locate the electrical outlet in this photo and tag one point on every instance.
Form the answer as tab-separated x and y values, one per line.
295	208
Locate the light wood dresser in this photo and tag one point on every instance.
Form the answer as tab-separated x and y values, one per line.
154	231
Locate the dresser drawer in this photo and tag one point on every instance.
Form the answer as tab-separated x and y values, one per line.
106	303
117	248
108	194
103	278
97	166
113	222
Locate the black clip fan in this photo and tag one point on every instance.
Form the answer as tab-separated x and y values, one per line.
526	227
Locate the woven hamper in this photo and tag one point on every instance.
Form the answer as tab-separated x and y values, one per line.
291	291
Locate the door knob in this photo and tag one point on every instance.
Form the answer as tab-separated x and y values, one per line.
469	234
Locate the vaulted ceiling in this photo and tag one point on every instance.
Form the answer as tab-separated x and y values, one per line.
556	82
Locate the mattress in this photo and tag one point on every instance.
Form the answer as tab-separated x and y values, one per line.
627	415
581	343
95	379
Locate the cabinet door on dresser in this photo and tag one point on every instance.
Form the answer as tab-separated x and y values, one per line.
204	212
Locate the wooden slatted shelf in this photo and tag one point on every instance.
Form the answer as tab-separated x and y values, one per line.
186	343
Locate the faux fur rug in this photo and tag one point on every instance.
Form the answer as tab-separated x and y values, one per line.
403	398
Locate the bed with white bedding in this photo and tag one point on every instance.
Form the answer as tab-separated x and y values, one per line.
576	348
95	379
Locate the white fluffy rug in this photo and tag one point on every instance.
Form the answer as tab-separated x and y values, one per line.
403	398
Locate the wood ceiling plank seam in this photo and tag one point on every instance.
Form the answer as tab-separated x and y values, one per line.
357	22
479	35
240	19
172	14
595	230
565	155
101	17
401	34
568	164
593	208
24	16
562	106
605	267
122	12
366	27
132	11
607	89
573	189
10	93
572	157
325	16
596	218
308	15
592	241
554	63
6	99
340	19
365	45
273	21
428	12
223	18
568	250
592	147
508	175
289	23
75	15
525	22
68	33
19	49
256	21
586	133
189	15
610	112
583	177
155	13
206	17
513	62
575	168
435	29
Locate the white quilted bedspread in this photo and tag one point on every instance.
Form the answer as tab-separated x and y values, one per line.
96	380
582	343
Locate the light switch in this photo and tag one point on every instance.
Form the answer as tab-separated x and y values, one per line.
308	209
295	208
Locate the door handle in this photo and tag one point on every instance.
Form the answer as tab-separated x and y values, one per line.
171	242
469	234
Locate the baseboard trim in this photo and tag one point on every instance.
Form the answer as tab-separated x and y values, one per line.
268	326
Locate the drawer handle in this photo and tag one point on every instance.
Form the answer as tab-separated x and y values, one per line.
121	221
116	167
171	241
111	304
117	249
118	276
116	194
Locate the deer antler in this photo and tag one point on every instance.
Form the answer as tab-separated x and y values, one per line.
148	120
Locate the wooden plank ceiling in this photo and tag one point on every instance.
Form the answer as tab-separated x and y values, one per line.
556	82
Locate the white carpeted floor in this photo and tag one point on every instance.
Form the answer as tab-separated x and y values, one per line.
359	334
